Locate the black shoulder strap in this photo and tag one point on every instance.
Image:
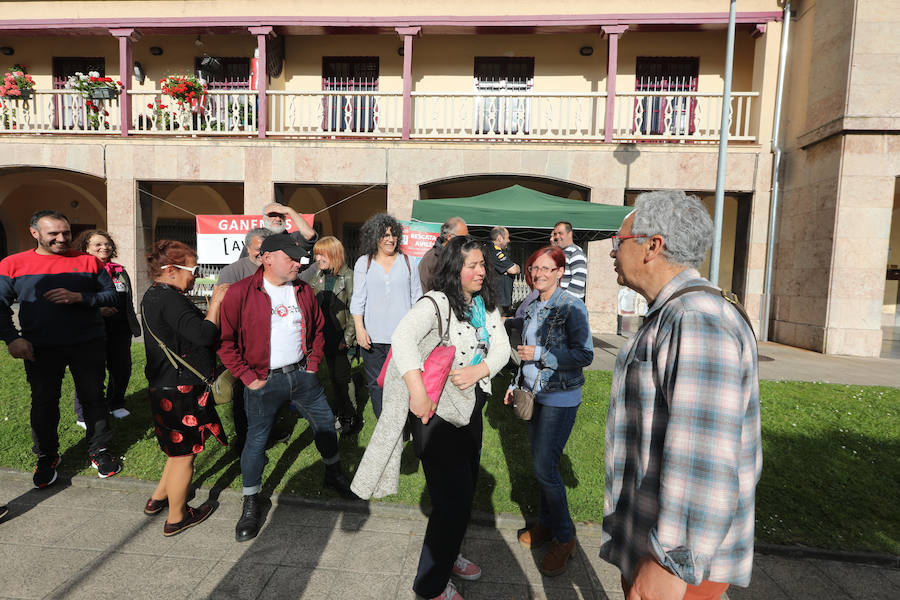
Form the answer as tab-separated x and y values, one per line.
729	297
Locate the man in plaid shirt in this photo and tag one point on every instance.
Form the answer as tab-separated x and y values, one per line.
683	452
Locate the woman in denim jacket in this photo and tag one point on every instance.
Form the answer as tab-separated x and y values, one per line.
557	345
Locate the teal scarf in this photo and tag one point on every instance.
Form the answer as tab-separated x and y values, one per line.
477	316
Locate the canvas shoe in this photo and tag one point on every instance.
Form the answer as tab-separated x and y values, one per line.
45	472
465	569
106	465
450	593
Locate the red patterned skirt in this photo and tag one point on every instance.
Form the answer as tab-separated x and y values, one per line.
184	417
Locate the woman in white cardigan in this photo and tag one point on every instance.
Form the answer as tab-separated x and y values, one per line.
446	434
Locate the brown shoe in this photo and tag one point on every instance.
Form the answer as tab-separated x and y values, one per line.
194	516
534	537
154	506
555	562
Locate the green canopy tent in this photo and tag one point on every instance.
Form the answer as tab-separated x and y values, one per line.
524	208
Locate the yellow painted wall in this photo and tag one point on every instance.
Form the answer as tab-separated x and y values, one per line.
223	8
303	58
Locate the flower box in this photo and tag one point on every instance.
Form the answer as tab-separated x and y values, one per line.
104	93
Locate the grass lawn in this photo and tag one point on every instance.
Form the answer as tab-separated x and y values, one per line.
831	475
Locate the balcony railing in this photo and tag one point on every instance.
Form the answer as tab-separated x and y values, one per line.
59	111
688	116
638	116
335	114
508	116
221	112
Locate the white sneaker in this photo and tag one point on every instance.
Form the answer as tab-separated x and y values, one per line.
81	424
449	593
465	569
120	413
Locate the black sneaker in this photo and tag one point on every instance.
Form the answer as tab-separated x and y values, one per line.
336	480
45	472
105	464
3	511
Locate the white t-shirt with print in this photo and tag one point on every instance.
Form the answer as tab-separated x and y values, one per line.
286	340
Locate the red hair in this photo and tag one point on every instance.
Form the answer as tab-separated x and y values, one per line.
555	254
168	252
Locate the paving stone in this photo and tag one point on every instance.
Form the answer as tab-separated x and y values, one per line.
233	581
859	581
41	524
794	580
762	587
26	572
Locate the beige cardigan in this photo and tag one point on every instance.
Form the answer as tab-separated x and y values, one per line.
413	340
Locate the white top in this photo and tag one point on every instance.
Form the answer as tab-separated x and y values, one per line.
286	339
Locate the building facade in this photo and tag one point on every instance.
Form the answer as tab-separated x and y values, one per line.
393	102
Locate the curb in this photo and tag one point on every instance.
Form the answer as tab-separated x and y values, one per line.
482	518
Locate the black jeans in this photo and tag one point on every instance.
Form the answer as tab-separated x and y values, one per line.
87	363
451	458
373	360
118	363
339	374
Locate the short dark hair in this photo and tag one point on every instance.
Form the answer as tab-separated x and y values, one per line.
85	237
565	224
53	214
497	232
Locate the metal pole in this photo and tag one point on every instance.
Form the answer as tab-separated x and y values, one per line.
776	168
715	258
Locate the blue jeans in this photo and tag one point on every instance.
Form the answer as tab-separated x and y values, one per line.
305	393
549	431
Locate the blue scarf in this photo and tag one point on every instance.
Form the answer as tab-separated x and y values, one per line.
477	316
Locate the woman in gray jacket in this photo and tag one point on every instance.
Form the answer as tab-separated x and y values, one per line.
446	434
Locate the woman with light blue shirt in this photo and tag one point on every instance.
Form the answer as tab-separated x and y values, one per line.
385	286
557	346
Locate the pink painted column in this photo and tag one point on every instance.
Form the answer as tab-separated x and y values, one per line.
613	32
262	78
407	33
126	66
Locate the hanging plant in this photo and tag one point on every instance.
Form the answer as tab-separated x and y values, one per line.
94	87
185	90
17	83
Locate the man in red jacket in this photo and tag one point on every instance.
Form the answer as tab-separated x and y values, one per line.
272	341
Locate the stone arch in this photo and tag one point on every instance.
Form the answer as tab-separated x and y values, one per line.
309	199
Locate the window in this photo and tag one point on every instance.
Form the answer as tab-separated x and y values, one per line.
504	81
666	74
356	113
66	66
223	73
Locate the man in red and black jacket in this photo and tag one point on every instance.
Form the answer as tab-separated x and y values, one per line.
59	292
272	341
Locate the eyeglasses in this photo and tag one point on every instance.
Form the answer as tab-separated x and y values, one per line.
544	270
193	269
617	240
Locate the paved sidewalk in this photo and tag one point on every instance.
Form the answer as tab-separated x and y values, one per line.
90	539
780	362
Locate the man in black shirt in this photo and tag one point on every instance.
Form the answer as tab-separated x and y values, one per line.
506	269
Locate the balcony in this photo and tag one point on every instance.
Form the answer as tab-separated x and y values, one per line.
684	117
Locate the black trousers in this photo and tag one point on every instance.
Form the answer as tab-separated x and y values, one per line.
451	458
87	363
339	374
118	364
373	360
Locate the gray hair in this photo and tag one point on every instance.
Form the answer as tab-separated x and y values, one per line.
498	232
680	219
449	228
260	232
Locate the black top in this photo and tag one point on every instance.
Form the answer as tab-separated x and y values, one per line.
501	262
180	325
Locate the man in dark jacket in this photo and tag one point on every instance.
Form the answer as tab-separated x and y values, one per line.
59	292
272	341
451	228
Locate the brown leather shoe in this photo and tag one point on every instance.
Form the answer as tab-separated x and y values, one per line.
194	516
555	562
154	506
534	537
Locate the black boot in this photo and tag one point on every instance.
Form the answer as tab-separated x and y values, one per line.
336	480
248	525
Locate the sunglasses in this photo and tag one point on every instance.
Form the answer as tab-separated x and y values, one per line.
193	269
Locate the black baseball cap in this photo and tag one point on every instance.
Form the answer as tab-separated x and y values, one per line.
283	242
